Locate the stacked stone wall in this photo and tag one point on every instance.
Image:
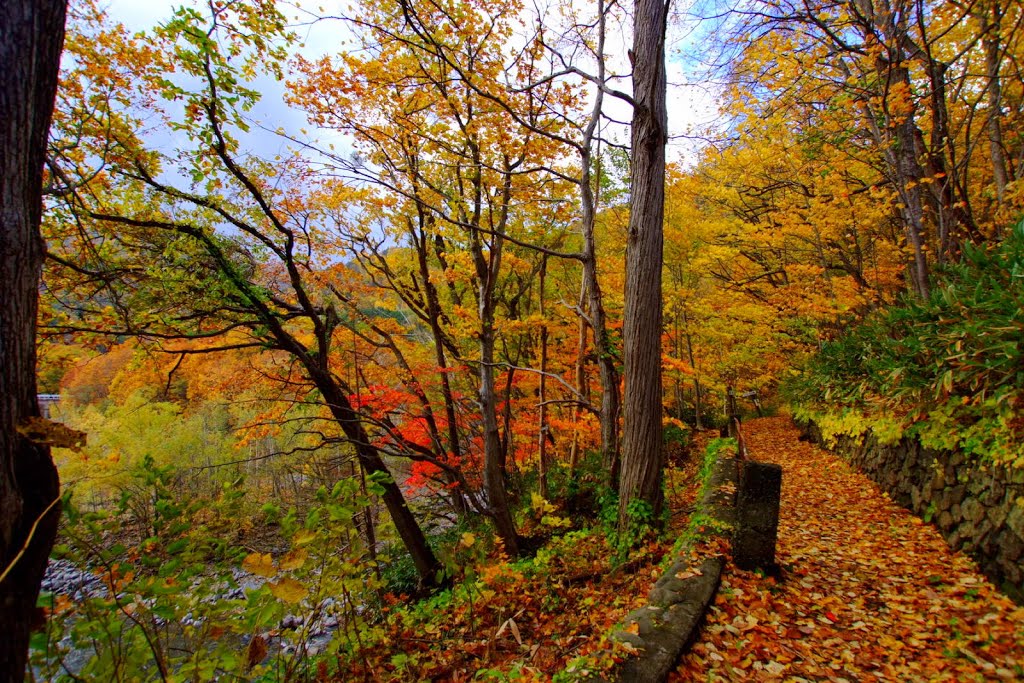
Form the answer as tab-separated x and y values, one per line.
978	507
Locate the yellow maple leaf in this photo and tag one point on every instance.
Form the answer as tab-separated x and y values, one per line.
294	559
303	537
261	564
288	589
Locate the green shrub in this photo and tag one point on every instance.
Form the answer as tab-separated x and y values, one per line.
949	369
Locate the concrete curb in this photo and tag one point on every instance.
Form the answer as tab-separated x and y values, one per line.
665	628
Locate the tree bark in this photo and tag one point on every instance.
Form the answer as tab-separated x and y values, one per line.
642	453
582	387
990	27
426	563
31	39
596	318
698	422
602	344
434	316
899	138
494	472
908	174
542	393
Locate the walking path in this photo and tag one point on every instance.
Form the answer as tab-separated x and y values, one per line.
868	592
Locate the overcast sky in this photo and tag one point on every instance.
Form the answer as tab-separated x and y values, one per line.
689	105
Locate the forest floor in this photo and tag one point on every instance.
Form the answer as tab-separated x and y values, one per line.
527	619
867	592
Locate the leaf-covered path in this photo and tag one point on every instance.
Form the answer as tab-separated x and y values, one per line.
868	591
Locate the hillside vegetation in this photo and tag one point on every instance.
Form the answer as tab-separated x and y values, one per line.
387	403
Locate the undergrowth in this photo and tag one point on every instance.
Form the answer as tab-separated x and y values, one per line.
948	370
188	598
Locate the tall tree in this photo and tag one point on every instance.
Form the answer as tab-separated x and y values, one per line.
230	251
642	461
461	162
927	81
31	39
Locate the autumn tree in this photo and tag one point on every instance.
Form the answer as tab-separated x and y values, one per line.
770	241
227	238
422	150
538	91
31	37
642	461
457	179
902	75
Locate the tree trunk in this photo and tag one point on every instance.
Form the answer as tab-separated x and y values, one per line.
591	286
488	265
951	202
990	27
899	138
580	373
427	565
642	456
31	38
542	393
698	422
602	344
433	310
494	472
908	174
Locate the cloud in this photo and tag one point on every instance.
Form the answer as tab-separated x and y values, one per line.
691	104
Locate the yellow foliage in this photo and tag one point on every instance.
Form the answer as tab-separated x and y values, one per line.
288	589
294	559
261	564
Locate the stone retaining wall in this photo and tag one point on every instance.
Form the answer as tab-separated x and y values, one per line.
979	508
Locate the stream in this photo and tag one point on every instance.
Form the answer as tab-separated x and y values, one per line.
65	578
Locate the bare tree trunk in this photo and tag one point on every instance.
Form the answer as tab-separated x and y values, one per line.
950	199
31	39
698	421
592	287
642	452
542	394
507	433
581	383
494	472
990	26
899	139
433	310
908	174
602	344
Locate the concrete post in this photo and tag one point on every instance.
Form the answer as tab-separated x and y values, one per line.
757	503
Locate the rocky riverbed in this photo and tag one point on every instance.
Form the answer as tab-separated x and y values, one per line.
64	578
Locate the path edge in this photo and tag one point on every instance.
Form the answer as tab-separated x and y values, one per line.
975	506
661	631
